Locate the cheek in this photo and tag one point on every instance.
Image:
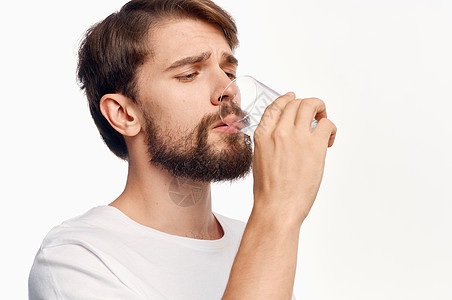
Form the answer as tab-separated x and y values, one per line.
178	106
180	110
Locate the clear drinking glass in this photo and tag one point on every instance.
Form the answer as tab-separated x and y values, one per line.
243	103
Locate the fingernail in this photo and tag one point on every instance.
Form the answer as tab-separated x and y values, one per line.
292	94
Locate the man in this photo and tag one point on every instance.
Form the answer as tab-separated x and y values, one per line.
153	74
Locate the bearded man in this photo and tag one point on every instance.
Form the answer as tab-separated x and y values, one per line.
153	74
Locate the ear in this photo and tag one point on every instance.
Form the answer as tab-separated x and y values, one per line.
122	113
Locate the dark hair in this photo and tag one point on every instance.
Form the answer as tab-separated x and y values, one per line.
112	50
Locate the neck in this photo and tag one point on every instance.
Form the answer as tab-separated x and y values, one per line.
154	198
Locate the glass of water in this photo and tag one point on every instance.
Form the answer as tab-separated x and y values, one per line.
243	103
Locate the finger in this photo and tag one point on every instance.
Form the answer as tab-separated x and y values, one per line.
332	137
288	116
310	109
272	114
326	130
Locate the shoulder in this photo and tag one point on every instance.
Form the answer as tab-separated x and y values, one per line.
71	262
87	227
71	271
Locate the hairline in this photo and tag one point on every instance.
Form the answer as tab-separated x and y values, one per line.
159	22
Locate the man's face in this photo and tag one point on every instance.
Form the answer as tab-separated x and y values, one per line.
179	87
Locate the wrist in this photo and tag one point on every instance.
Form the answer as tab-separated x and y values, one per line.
276	218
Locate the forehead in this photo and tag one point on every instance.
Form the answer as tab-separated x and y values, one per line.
179	38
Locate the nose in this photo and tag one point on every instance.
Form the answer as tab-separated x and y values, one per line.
225	90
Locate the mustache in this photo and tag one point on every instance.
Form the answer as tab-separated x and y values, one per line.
208	120
231	108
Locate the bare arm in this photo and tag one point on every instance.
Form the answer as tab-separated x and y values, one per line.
288	167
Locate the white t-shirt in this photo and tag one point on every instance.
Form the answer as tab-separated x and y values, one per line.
103	254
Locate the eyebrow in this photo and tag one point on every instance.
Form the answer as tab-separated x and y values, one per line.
191	60
231	59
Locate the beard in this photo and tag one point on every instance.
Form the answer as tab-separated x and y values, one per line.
192	157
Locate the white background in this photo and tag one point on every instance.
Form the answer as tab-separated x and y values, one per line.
381	227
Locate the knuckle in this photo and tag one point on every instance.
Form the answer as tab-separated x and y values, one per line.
258	132
306	104
273	107
324	122
314	99
279	134
257	137
321	102
328	124
334	126
314	102
292	103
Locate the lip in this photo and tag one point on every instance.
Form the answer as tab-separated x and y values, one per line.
231	119
219	124
226	129
225	126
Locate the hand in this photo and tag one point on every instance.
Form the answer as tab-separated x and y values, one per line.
289	157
